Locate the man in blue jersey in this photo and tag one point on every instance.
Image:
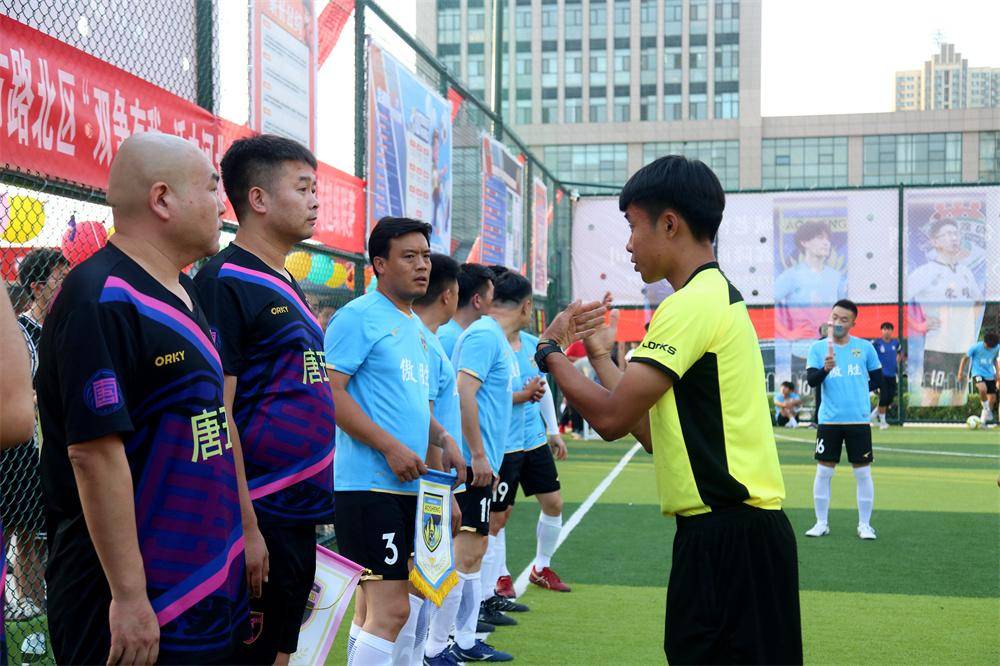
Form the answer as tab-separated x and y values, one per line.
848	369
786	406
889	355
138	472
487	375
475	297
983	365
378	354
278	396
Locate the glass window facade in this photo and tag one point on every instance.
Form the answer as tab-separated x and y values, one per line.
722	156
522	69
573	74
727	16
476	23
648	20
804	162
727	62
573	22
598	20
917	159
523	111
598	68
449	28
698	106
573	111
673	65
727	105
673	18
698	64
647	107
698	17
989	157
623	18
623	66
550	70
550	22
477	73
550	111
598	109
673	108
647	66
623	109
596	163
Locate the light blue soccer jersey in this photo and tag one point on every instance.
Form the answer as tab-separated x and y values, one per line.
386	354
845	389
984	360
800	285
448	335
443	388
483	352
534	426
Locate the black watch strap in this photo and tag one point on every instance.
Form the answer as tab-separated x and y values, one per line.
546	347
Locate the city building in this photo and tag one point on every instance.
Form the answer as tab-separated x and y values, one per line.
947	82
600	87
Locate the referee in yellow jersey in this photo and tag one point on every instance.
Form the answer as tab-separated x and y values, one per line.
693	395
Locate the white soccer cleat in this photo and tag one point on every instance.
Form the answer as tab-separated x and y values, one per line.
866	532
818	530
883	426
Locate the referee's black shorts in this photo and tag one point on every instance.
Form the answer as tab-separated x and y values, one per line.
887	391
733	596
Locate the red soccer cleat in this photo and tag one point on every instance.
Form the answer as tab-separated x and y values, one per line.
505	587
548	579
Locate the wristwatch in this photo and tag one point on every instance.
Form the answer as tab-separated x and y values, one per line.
546	347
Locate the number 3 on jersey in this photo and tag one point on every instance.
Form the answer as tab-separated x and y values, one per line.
390	547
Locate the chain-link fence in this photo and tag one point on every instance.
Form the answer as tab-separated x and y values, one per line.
922	260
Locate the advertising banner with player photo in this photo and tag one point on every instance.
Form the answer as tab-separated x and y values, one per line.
810	275
502	239
409	148
284	69
947	260
540	238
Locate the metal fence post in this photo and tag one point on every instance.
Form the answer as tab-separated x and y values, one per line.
204	26
360	79
903	339
498	68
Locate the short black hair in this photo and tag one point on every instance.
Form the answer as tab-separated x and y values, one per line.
444	271
789	385
498	270
888	325
847	305
252	161
393	227
37	266
19	295
937	224
811	229
991	339
687	186
511	289
473	279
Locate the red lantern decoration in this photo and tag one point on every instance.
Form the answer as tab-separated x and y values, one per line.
82	239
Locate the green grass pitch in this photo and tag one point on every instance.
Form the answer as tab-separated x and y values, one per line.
927	591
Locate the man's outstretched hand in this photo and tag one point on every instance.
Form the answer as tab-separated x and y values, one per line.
577	322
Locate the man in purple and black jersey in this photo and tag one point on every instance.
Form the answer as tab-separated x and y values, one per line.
277	389
142	502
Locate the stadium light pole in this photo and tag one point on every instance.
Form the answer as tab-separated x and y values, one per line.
498	14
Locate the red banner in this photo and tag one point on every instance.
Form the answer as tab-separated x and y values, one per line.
456	100
331	23
64	113
341	222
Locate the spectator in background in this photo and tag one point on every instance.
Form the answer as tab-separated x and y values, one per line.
39	277
19	297
889	355
786	405
17	419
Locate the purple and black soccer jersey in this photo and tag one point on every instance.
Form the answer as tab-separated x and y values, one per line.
122	354
273	344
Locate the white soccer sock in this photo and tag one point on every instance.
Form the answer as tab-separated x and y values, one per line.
502	569
352	639
821	493
547	535
866	493
443	621
468	611
403	649
881	419
370	650
873	414
488	571
423	624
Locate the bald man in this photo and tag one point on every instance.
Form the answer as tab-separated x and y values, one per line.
140	480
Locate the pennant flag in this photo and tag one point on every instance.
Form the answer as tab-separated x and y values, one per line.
456	100
433	559
329	26
522	158
559	196
331	594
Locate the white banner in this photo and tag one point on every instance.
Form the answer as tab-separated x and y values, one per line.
332	592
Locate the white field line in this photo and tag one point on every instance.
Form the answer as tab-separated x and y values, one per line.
955	454
521	584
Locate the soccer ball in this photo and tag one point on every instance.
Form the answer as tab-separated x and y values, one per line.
973	422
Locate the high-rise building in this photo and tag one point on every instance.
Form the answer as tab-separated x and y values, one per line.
947	82
601	87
